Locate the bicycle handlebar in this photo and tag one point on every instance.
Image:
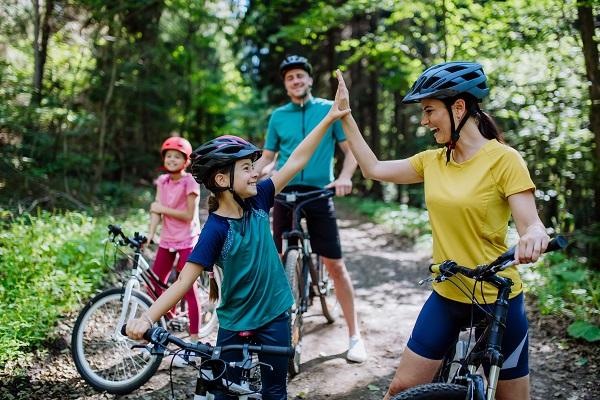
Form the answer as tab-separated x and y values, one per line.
137	241
293	197
449	267
160	337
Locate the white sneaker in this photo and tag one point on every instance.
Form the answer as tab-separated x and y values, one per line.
178	361
356	350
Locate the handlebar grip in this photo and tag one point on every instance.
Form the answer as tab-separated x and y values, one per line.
278	350
559	242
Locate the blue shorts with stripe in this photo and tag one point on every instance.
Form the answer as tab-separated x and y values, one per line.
441	319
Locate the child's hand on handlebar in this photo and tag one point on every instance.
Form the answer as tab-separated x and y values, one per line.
137	327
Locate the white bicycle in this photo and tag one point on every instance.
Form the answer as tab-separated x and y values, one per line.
103	356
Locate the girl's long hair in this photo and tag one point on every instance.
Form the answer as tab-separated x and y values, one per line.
213	205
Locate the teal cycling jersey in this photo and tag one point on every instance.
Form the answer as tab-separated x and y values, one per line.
254	290
290	124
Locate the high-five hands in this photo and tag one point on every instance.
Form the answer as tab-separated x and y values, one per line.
341	105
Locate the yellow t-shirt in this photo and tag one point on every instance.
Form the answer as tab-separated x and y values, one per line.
469	211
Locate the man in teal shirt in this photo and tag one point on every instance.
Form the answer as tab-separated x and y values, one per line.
288	125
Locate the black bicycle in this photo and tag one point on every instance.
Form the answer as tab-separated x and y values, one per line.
457	378
212	369
306	273
103	356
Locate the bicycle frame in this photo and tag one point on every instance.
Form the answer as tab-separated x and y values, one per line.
489	345
303	239
206	381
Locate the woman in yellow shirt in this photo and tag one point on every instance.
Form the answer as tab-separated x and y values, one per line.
472	186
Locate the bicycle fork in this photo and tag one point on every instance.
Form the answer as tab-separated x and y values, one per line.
129	310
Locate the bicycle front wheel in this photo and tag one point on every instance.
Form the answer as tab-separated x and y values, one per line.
326	292
104	357
434	391
293	267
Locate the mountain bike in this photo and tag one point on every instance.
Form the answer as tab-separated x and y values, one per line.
305	271
212	369
464	383
102	355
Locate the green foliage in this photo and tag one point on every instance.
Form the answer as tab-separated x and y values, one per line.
564	286
402	220
51	263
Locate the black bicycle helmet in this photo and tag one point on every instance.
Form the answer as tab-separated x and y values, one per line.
220	152
448	80
294	61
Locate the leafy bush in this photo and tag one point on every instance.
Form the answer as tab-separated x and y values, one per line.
564	286
51	263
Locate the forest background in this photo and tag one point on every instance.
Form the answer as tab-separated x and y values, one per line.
89	89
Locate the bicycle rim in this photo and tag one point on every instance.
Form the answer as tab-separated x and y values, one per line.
104	357
434	391
329	302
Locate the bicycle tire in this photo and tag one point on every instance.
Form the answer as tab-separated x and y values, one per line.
293	267
327	296
296	332
434	391
103	357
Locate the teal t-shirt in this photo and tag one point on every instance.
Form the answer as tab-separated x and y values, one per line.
290	124
254	290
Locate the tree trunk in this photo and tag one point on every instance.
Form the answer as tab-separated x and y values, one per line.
592	66
40	47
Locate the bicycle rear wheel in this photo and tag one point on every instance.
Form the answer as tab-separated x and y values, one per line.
293	267
434	391
329	302
104	357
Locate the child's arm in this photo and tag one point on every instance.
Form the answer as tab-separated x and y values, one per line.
186	215
306	148
166	301
154	220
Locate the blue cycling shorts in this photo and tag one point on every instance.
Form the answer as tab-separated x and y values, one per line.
441	319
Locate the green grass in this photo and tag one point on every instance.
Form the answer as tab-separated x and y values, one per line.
51	263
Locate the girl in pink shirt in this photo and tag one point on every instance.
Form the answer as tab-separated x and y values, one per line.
177	199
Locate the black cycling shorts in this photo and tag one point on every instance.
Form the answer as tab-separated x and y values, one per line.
320	221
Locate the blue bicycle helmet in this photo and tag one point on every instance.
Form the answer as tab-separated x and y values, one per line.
448	80
294	61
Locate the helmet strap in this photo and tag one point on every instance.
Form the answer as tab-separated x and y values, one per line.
454	130
238	199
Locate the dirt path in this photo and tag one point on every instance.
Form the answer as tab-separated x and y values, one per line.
385	274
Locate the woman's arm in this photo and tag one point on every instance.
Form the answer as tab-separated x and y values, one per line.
166	301
186	215
533	237
306	148
396	171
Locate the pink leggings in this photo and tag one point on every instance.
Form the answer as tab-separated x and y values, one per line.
163	264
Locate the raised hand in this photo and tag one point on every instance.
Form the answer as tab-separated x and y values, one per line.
341	104
342	97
